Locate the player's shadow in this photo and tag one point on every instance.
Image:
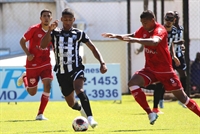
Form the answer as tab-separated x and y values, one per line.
20	121
139	130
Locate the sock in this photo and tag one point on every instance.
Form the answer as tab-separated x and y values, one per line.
140	97
85	103
43	103
183	82
25	81
157	95
192	105
76	106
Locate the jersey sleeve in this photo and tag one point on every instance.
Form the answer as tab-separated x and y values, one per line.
159	32
29	33
84	37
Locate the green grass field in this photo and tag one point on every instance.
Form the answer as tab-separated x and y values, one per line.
115	118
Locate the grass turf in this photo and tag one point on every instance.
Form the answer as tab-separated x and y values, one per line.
117	118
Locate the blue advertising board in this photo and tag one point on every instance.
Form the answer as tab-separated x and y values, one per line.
97	86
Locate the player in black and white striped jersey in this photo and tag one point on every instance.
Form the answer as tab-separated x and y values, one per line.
179	50
69	68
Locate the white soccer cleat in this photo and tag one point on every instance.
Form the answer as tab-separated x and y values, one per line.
152	118
92	122
83	112
40	117
20	79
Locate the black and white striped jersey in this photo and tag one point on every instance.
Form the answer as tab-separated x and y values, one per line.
172	36
66	48
179	36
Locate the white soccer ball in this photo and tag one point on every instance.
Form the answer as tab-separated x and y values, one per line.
80	123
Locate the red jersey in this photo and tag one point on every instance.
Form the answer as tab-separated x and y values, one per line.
41	56
158	57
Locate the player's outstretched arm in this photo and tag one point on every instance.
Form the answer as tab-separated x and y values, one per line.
98	56
117	36
146	42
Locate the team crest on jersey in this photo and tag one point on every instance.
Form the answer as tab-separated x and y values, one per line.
32	81
144	35
40	35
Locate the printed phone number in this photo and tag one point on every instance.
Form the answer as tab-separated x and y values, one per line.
103	93
107	80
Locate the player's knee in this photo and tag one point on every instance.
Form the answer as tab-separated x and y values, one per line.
32	91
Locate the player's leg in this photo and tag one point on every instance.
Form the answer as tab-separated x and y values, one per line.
158	96
161	102
46	76
173	84
191	104
134	85
78	86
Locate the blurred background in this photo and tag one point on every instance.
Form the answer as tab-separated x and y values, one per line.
98	16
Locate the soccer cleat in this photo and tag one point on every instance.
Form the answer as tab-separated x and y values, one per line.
152	118
92	122
183	105
161	104
40	117
83	113
20	79
156	110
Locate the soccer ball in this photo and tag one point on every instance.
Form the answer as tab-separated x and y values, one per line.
80	123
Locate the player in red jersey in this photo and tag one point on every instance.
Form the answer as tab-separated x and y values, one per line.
158	65
38	64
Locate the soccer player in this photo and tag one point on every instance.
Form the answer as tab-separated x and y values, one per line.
69	68
179	51
158	64
38	64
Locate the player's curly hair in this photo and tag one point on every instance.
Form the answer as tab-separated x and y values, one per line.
147	14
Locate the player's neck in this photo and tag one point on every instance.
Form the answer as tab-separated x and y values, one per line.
45	28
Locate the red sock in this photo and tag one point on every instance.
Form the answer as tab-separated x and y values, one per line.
192	105
25	81
140	97
43	103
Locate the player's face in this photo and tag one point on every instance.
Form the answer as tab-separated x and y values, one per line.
148	24
169	21
46	18
68	21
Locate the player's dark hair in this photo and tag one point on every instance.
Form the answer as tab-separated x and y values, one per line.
68	11
147	14
176	14
45	10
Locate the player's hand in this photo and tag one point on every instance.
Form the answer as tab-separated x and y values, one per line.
53	25
177	62
103	68
108	35
30	57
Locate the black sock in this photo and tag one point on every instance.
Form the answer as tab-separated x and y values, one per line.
183	82
85	103
158	94
76	106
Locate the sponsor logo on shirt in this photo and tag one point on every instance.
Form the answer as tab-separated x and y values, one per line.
149	51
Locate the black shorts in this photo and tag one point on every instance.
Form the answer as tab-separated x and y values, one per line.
66	80
182	66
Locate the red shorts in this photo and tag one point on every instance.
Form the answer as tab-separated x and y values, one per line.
169	79
34	75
